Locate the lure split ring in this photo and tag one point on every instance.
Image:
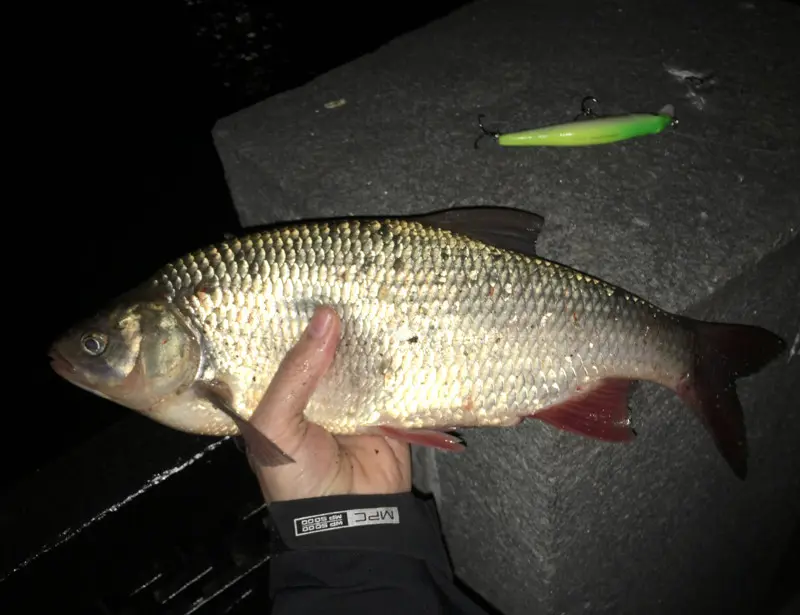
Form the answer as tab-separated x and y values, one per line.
586	110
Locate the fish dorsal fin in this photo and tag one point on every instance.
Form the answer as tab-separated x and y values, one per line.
503	227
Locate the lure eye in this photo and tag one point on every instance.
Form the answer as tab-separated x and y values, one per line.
94	344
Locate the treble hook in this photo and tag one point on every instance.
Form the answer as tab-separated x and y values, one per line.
485	133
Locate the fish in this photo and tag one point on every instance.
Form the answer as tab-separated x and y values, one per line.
450	320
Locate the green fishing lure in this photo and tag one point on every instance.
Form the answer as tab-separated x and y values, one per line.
596	130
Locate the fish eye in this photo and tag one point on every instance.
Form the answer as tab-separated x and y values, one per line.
94	343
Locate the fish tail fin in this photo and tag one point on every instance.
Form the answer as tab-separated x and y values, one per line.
722	354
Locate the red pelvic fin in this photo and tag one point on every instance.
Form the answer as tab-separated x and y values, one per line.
423	437
600	412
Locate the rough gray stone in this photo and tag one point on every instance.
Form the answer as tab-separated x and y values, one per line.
702	219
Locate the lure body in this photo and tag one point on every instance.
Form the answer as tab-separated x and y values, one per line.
591	132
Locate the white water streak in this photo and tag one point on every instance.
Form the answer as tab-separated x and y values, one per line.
70	533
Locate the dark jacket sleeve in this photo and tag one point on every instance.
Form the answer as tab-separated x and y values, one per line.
376	554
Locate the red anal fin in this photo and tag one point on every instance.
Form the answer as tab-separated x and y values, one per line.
424	437
600	412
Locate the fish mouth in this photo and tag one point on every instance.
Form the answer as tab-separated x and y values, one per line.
62	367
68	372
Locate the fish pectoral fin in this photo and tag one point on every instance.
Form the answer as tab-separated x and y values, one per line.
600	412
241	445
423	437
260	447
502	227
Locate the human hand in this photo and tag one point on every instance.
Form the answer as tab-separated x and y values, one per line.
323	464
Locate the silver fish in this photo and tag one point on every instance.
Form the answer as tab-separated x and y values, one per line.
449	320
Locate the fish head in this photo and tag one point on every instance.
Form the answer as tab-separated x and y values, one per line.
136	354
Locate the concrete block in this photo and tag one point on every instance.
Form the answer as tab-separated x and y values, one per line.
701	219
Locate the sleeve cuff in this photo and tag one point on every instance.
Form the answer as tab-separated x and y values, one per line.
402	523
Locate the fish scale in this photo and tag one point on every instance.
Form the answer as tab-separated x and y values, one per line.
449	320
496	335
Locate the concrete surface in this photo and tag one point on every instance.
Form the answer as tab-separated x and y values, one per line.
702	219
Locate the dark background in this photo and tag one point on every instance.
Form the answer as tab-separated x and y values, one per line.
139	91
121	175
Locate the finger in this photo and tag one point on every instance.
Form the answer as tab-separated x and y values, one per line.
279	415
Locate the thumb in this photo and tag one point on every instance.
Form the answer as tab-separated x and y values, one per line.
279	415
